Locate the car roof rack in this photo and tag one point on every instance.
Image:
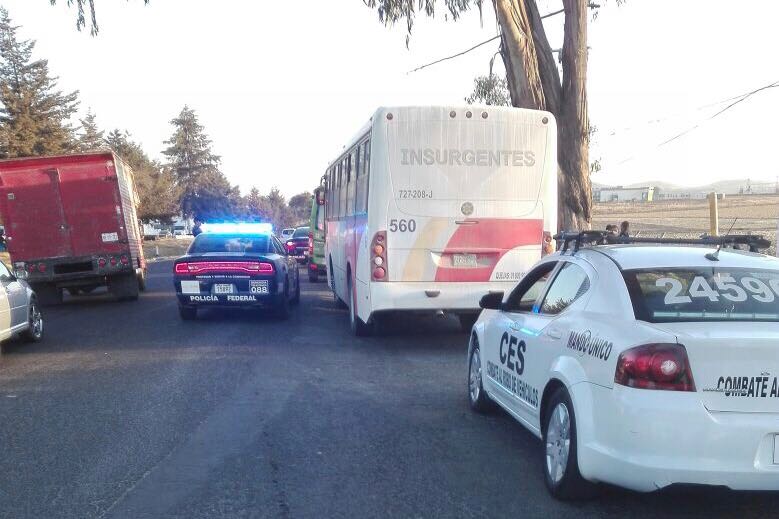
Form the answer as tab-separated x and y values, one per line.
755	242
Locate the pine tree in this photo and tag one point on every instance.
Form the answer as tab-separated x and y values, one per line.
205	191
35	115
91	137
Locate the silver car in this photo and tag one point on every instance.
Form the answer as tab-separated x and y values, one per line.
20	314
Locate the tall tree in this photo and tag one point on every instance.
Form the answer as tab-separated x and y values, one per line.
91	136
81	13
300	208
534	81
34	114
204	190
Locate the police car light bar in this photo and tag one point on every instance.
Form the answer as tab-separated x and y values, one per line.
755	242
237	228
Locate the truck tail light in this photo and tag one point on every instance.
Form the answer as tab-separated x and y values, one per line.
655	366
101	263
311	245
113	261
125	260
31	268
41	267
547	245
379	256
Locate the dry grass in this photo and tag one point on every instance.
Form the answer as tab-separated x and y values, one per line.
755	214
166	247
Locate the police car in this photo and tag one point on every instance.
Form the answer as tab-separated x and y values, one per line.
642	363
236	266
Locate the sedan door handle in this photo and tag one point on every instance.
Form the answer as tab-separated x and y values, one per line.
554	333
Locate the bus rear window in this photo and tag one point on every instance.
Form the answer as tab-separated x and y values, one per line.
704	294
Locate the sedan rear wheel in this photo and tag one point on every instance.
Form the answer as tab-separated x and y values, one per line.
562	476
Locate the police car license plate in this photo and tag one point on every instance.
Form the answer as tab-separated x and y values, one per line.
776	449
223	289
464	260
259	286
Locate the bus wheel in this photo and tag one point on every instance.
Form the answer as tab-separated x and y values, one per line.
467	321
358	327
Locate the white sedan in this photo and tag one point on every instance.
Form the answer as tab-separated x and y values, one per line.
642	366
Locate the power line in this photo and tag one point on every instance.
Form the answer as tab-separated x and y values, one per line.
454	55
739	99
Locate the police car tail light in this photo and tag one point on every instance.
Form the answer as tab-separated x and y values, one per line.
547	245
379	256
266	268
182	268
664	367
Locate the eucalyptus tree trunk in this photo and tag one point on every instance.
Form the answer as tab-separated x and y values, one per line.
534	82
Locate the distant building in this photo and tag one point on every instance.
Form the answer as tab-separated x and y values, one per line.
624	194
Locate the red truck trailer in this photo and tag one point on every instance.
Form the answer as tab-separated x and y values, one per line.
71	223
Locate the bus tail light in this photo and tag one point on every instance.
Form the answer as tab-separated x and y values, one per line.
547	245
655	366
310	244
379	256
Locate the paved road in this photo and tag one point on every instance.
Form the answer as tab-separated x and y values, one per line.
127	412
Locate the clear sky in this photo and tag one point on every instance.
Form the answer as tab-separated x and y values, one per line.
280	86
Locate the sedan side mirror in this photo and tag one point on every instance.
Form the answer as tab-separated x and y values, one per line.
492	301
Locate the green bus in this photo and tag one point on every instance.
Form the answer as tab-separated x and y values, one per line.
316	236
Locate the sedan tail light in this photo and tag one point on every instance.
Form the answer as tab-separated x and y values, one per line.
655	366
290	247
379	256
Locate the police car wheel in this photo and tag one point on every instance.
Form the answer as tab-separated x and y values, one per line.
296	299
34	332
188	313
283	310
561	464
477	398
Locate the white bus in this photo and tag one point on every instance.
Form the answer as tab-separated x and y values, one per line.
429	208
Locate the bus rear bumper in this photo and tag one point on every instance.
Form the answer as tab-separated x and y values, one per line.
421	296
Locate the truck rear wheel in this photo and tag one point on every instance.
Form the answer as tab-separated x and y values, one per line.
48	294
124	287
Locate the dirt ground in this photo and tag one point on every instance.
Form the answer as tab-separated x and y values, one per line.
747	214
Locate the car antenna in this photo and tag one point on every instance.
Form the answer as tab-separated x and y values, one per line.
714	256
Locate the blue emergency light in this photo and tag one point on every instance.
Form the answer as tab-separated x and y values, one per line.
237	228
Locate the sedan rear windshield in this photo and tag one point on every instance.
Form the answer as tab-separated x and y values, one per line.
301	232
704	294
259	244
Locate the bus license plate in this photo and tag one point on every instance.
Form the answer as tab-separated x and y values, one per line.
464	260
224	289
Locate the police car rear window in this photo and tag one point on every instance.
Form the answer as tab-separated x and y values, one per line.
230	243
704	294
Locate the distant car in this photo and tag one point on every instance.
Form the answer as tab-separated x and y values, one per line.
297	244
236	266
639	365
20	314
164	234
287	233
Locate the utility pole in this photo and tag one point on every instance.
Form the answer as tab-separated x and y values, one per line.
713	214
